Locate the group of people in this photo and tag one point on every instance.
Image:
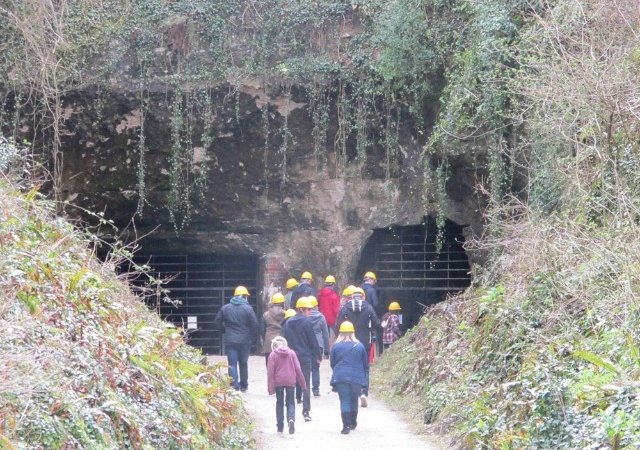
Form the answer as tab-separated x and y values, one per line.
298	330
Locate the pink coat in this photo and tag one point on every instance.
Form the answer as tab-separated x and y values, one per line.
283	369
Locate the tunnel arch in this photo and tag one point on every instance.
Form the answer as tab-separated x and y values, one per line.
411	269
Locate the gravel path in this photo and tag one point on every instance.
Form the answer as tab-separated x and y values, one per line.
378	426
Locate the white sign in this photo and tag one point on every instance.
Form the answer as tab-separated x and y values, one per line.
192	322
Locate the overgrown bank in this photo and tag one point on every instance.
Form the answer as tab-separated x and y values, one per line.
544	350
545	354
85	364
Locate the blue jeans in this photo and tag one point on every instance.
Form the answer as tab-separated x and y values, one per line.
315	376
305	365
348	393
280	402
238	356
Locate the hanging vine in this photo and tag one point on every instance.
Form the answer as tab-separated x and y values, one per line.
319	104
265	149
142	150
287	140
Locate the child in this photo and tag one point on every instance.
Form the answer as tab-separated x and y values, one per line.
391	325
283	370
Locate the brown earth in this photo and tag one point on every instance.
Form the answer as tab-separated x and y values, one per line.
378	426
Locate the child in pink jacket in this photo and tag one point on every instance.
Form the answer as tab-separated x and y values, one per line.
283	370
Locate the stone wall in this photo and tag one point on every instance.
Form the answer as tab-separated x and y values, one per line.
318	220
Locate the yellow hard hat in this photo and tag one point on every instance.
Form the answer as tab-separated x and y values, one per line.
306	276
277	298
370	275
289	313
358	290
348	291
330	279
347	327
312	301
303	302
241	290
394	306
291	283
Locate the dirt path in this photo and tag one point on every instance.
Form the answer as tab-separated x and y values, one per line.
378	426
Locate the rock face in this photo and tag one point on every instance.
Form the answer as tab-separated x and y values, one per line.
237	167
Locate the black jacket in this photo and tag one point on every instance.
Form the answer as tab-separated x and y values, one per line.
364	319
302	290
371	295
298	331
238	322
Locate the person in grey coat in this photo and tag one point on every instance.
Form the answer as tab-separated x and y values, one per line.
321	330
240	329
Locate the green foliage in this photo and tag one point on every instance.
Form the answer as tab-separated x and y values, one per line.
85	363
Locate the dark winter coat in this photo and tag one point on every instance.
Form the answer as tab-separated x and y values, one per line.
363	317
302	290
238	322
283	369
320	329
298	331
271	326
371	295
329	305
350	363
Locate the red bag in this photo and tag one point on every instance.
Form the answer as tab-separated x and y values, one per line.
372	353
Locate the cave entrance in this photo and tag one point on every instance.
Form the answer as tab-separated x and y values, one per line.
200	284
411	270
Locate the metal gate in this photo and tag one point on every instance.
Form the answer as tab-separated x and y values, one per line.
412	269
198	286
408	258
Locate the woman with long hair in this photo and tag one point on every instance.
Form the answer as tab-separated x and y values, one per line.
350	363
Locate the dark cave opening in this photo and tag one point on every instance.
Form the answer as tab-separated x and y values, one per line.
197	286
412	270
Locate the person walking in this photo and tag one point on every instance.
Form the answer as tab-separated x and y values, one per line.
391	325
365	320
350	363
288	314
239	325
369	280
271	323
283	372
298	331
329	304
290	285
346	296
304	288
321	332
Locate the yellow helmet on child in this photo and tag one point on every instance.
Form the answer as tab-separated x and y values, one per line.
370	275
330	279
347	327
277	298
241	290
394	306
289	313
312	301
306	276
291	283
